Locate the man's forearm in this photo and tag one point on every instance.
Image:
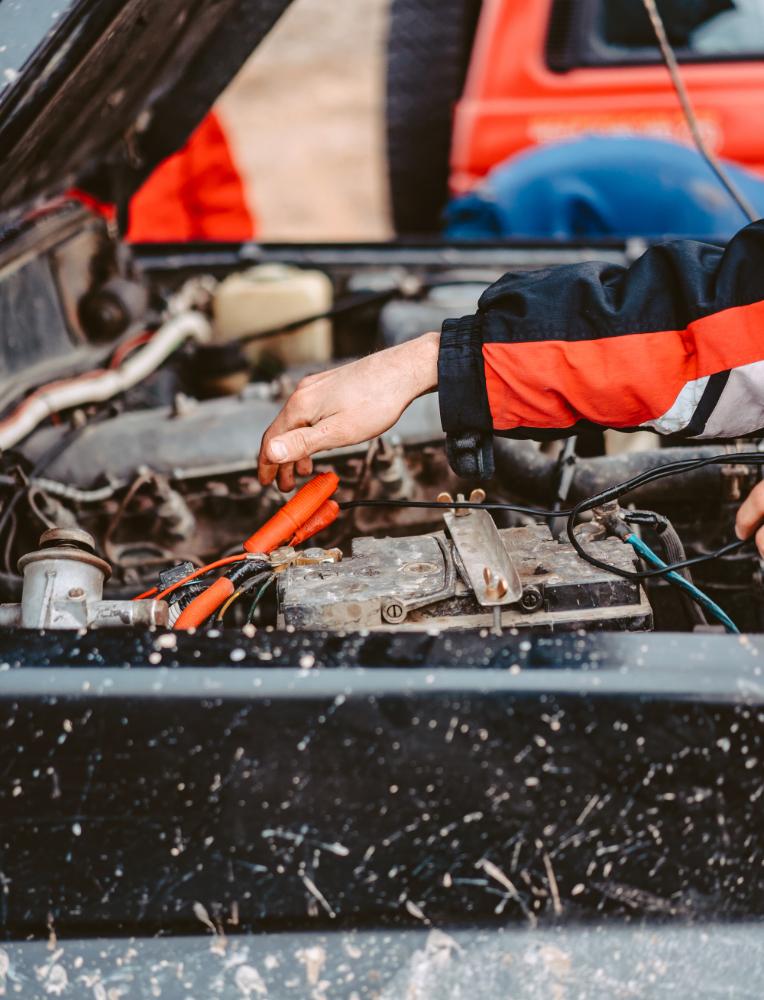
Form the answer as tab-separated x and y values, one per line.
672	343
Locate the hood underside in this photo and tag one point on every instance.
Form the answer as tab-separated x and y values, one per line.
113	87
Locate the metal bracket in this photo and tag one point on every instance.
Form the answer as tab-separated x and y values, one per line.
488	566
396	609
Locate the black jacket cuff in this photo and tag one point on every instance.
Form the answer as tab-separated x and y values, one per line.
464	410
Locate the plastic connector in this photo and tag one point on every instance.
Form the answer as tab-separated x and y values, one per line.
326	514
205	604
286	522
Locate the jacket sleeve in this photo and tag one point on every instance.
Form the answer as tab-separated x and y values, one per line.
674	343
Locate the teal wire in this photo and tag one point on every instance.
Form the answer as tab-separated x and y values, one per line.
712	607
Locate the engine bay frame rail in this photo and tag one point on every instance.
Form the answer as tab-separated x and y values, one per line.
149	773
644	665
161	258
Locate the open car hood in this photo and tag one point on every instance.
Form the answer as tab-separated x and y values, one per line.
100	91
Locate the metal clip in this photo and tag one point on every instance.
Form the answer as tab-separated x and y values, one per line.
487	565
286	556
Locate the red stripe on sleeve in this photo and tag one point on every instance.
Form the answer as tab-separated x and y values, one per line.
616	381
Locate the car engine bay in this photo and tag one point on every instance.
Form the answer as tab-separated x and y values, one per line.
133	405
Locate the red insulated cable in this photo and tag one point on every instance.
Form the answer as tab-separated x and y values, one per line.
206	604
326	514
122	351
287	522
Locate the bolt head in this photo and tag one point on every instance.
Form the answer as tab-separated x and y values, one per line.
394	612
531	599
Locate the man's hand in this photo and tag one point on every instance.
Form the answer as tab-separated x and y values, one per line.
346	405
750	517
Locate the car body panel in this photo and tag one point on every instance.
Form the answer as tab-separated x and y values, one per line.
320	781
513	100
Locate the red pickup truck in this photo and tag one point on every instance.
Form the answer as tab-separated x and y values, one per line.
471	83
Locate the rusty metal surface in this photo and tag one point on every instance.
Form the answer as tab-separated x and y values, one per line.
351	594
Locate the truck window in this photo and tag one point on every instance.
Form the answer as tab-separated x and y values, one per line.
22	31
618	32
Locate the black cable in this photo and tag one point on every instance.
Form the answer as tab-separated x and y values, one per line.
664	472
244	588
723	550
604	496
616	492
259	596
550	514
241	572
350	304
457	505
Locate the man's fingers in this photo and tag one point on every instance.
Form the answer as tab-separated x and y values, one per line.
267	464
285	478
286	473
302	442
266	471
751	513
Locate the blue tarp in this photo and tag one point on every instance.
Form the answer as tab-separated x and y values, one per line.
603	186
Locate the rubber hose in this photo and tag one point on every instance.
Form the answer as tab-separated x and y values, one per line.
525	470
673	551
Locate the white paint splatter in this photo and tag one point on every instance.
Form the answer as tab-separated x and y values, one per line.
200	912
57	980
313	889
416	911
248	981
498	875
314	960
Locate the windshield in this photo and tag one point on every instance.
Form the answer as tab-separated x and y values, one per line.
717	28
737	32
24	25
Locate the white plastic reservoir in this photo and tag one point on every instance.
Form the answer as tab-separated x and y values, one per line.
271	295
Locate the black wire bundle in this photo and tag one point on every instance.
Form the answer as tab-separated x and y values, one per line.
664	472
605	496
